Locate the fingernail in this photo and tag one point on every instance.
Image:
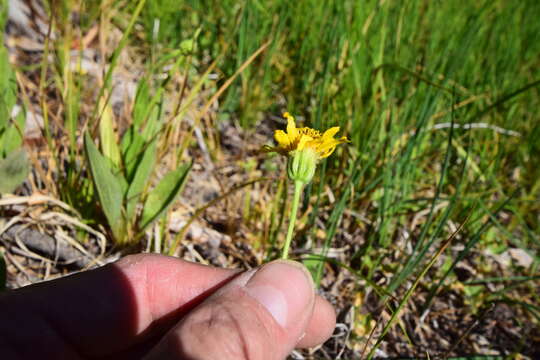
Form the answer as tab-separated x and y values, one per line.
285	289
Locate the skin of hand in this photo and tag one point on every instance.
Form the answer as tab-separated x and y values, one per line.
156	307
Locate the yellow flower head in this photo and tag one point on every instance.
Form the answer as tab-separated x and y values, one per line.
304	138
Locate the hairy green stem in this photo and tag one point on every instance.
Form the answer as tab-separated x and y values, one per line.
298	186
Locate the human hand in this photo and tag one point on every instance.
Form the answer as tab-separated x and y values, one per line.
158	307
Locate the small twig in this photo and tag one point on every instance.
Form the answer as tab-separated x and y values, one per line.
347	335
196	254
28	238
495	128
19	267
34	200
73	221
22	250
470	126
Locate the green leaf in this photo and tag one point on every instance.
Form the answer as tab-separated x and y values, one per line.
109	144
153	124
142	103
312	263
10	133
12	138
163	195
142	174
3	17
108	188
13	170
122	181
127	140
8	88
147	110
133	151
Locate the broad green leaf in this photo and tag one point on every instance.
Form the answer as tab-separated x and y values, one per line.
8	88
164	194
144	170
153	124
10	133
108	188
142	103
109	144
12	138
73	102
127	140
147	111
13	170
3	17
122	181
133	143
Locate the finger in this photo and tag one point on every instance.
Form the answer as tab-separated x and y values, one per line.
320	326
108	309
261	314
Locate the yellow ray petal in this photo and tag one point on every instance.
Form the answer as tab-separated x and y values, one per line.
327	153
282	138
326	148
292	131
328	134
304	139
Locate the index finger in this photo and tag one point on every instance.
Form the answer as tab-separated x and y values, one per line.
109	309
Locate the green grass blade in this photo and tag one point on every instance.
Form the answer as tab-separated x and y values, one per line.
114	58
468	246
419	250
410	291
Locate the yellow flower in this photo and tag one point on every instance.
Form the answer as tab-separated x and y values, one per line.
304	147
303	138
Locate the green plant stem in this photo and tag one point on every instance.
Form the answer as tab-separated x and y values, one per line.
298	186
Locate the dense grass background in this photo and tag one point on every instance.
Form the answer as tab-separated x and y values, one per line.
439	98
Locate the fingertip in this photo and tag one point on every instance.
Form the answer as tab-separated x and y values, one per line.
286	290
321	325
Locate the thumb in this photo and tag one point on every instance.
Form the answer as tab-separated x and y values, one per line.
260	315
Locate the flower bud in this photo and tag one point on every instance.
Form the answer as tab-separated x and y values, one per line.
301	165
